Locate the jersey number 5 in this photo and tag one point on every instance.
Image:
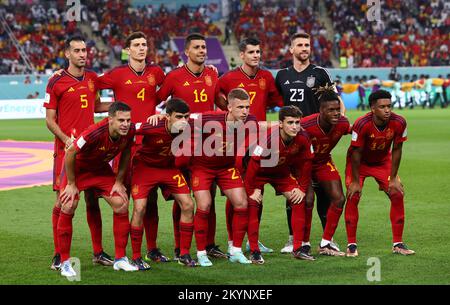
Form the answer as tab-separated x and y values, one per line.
84	101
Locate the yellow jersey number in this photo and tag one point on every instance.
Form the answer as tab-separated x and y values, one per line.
202	97
141	94
83	100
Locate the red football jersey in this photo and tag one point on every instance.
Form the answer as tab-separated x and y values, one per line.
322	142
299	148
95	148
261	88
138	91
215	124
376	143
74	101
198	92
156	145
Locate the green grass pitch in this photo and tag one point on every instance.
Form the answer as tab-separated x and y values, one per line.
26	235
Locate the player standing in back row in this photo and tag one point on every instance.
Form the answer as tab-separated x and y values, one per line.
297	84
196	84
135	84
260	85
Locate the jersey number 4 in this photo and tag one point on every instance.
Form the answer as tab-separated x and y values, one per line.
297	95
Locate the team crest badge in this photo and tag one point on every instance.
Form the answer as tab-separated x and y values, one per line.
195	182
389	134
310	81
262	84
91	85
151	80
135	189
208	80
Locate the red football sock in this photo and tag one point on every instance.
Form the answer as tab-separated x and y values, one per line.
136	240
260	212
176	215
94	219
351	218
55	217
201	228
151	220
333	215
121	229
397	216
229	211
211	236
186	231
240	226
253	224
308	221
298	223
64	235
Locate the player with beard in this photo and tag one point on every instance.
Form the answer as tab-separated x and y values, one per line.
297	84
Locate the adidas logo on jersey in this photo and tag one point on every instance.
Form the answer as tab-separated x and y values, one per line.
287	82
128	82
241	85
71	90
186	84
160	141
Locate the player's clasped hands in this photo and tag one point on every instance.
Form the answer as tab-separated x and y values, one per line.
257	196
68	195
296	196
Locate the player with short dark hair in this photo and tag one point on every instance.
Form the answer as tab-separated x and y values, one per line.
260	85
70	101
290	144
136	84
325	129
153	166
370	155
87	167
196	84
297	85
219	165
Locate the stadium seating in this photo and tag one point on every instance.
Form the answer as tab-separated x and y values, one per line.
409	33
274	22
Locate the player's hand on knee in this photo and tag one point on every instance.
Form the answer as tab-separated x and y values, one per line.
257	196
395	186
296	196
68	195
353	188
121	190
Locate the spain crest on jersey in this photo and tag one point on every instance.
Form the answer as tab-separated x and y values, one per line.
310	81
262	84
389	134
196	181
91	85
151	80
208	80
135	189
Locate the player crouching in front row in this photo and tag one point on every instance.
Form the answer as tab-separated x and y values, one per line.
370	155
153	166
87	167
290	144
